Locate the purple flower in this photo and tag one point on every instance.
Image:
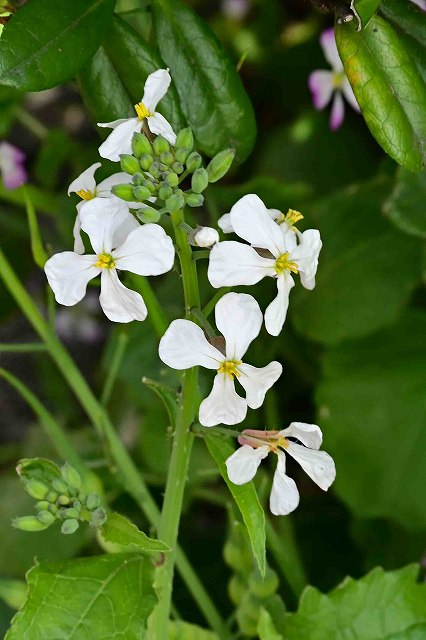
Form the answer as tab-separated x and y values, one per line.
420	3
323	84
12	166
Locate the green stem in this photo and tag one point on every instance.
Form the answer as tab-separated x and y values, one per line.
37	249
24	347
212	302
203	322
31	123
114	366
284	548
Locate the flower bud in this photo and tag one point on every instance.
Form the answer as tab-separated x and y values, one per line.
167	158
172	180
46	517
194	199
141	193
60	485
138	178
182	154
148	215
160	145
63	500
205	237
71	475
29	523
99	517
42	505
175	202
165	192
146	161
52	496
123	191
71	513
36	488
53	508
129	164
93	501
154	170
178	167
220	164
263	587
200	180
193	161
141	145
69	526
184	139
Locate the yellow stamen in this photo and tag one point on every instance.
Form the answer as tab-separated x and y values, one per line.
105	261
291	218
277	443
229	368
85	195
284	264
142	111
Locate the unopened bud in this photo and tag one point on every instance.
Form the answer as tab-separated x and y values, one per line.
69	526
71	513
220	164
160	145
146	161
174	203
141	193
36	488
42	505
194	199
182	154
138	178
29	523
93	501
185	139
165	192
141	145
53	508
178	167
193	161
167	158
200	180
148	215
63	500
129	164
71	475
46	517
154	170
52	496
172	180
99	517
206	237
123	191
60	486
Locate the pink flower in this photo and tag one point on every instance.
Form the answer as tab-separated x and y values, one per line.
323	83
12	166
420	3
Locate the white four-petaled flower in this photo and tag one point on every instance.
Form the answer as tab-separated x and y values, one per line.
289	251
184	345
120	140
256	445
324	83
119	242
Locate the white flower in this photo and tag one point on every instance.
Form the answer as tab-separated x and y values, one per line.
206	237
86	188
12	167
324	83
289	219
184	345
119	242
256	445
232	263
120	140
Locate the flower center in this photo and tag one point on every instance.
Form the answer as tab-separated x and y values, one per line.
337	79
230	368
256	438
284	264
86	195
142	111
105	261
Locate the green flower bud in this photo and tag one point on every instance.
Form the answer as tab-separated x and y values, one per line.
165	192
236	589
200	180
71	475
123	191
141	145
46	517
71	513
60	486
76	504
150	185
220	164
36	488
138	178
184	139
42	505
175	202
146	161
52	496
263	587
193	161
29	523
160	145
182	154
141	193
93	500
148	215
154	170
163	167
69	526
194	199
167	158
53	508
129	164
178	167
63	500
172	180
99	517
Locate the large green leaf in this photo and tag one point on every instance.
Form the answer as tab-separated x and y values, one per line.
104	597
47	42
371	405
212	95
367	269
380	606
388	86
406	205
245	496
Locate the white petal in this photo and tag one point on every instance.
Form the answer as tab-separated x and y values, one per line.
257	380
225	224
156	86
160	126
223	405
184	345
306	256
309	434
106	220
120	139
147	251
284	495
103	190
320	84
276	311
68	274
317	464
76	232
349	95
252	222
337	111
239	319
233	263
329	48
85	181
113	124
119	303
244	462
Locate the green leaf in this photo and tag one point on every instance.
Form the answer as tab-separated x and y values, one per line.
366	9
372	410
367	269
245	496
181	630
103	597
123	534
388	86
47	42
386	605
405	206
211	93
266	628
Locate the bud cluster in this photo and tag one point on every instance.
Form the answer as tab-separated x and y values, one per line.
158	170
60	497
